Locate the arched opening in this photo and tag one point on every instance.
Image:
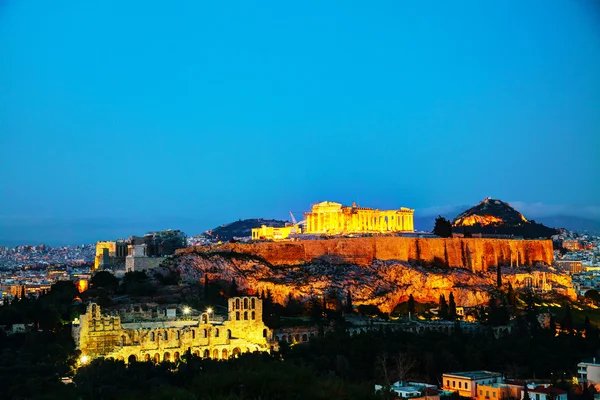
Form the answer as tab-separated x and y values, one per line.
152	337
167	356
228	333
237	304
215	354
253	315
131	359
245	304
245	315
253	303
156	358
147	357
206	353
304	338
204	319
247	350
205	333
236	352
197	353
176	356
166	335
217	332
297	338
237	315
224	354
193	334
121	358
264	333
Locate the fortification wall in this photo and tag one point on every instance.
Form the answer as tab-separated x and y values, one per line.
473	254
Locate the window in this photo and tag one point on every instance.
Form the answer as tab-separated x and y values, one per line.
466	385
152	336
487	394
453	383
237	315
237	304
480	392
537	396
460	385
494	394
205	333
193	334
448	383
166	336
253	315
245	303
245	315
228	333
217	332
253	302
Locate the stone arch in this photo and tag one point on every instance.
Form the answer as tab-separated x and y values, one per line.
215	354
253	315
237	315
197	353
167	356
131	359
245	303
147	357
176	356
237	304
156	358
236	352
245	315
253	303
224	354
206	353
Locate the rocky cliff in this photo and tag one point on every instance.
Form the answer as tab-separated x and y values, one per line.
472	254
382	283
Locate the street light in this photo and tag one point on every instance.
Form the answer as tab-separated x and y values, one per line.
83	360
209	311
186	311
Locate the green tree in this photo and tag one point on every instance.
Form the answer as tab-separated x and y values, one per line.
442	227
104	280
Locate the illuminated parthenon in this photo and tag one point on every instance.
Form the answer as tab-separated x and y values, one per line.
333	218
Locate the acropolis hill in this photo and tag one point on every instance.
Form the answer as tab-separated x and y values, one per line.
472	254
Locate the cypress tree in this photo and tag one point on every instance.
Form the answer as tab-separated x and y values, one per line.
510	294
443	308
567	322
411	304
499	276
451	307
349	308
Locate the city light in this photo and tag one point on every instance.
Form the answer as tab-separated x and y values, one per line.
83	360
186	310
209	310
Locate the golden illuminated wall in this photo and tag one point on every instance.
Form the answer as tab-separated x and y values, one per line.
334	218
98	335
273	233
100	246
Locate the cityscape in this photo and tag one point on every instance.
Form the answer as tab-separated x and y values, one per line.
300	201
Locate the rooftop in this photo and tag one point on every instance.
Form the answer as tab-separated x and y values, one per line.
474	374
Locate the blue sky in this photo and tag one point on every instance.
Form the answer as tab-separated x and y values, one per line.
119	118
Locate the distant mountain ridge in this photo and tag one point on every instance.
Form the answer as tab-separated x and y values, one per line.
241	228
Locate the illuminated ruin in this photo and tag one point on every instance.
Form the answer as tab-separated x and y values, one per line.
334	218
98	335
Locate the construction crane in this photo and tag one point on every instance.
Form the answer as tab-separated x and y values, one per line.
293	219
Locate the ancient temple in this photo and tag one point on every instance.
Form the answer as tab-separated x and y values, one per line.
334	218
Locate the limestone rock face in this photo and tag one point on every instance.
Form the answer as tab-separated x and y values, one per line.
384	283
472	254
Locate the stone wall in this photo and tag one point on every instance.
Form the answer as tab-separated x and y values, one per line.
142	263
472	254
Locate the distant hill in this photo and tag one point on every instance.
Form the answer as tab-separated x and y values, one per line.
494	216
241	228
577	224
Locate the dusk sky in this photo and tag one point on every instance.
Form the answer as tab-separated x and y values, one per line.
121	117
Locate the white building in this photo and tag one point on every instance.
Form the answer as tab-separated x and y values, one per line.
589	372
